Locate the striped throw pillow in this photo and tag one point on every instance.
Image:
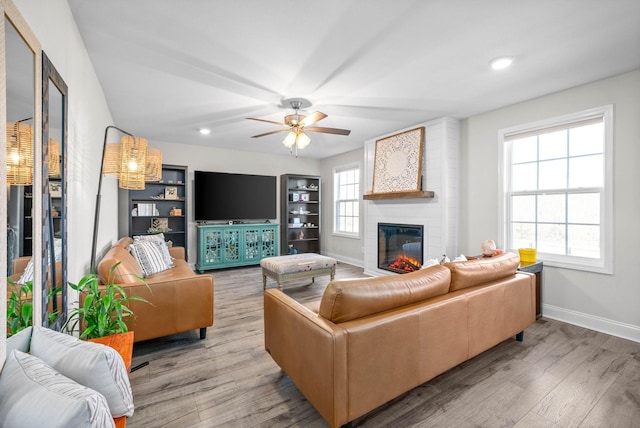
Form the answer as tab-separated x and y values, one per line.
152	256
32	394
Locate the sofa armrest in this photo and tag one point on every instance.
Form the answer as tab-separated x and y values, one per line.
175	305
311	351
177	253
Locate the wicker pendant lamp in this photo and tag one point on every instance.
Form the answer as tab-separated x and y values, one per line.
53	162
19	154
111	160
133	158
153	165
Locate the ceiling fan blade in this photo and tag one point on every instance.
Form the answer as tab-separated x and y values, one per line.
328	130
264	120
269	133
313	118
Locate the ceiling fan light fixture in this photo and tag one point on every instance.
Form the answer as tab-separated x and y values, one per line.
290	139
302	140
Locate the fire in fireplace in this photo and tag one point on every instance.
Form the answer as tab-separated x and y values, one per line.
400	247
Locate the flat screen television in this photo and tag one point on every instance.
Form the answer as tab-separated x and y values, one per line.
224	196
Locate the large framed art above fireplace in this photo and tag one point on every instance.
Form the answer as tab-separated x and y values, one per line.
400	247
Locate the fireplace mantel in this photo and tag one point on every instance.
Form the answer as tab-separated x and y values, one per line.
412	194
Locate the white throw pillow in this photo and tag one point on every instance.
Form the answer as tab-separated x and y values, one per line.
152	256
27	275
96	366
32	394
19	341
155	237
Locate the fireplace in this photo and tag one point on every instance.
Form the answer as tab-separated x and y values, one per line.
400	247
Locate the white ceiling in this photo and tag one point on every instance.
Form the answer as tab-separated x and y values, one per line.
168	67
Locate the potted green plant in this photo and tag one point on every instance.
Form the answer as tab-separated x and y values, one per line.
19	307
103	309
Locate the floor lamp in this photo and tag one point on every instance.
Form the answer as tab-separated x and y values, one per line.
130	166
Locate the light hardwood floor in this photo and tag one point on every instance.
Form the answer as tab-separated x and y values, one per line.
560	376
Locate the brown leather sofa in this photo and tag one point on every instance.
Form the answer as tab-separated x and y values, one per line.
369	340
179	299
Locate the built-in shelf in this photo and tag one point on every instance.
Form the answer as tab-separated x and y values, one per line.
413	194
300	214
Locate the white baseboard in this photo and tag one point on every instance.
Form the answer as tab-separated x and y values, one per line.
347	260
603	325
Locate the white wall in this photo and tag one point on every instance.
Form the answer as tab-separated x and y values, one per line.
346	249
607	303
200	158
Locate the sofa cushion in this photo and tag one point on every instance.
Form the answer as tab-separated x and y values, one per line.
32	394
96	366
478	271
345	300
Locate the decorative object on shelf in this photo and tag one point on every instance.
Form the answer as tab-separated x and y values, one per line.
145	209
127	161
291	250
171	192
55	189
175	212
159	225
488	248
527	256
301	235
295	197
398	162
304	197
312	187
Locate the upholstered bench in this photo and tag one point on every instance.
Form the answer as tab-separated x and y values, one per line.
296	266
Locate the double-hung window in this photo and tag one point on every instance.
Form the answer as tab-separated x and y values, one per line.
557	179
346	197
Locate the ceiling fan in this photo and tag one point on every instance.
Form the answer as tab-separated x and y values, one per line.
296	124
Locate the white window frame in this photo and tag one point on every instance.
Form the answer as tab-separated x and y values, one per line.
336	201
603	264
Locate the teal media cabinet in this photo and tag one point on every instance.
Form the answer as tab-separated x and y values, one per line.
222	246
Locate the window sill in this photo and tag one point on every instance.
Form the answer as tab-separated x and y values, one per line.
346	235
595	267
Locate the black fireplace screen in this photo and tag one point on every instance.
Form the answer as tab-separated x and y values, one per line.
400	247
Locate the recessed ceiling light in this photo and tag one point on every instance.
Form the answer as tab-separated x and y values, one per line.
204	131
501	63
